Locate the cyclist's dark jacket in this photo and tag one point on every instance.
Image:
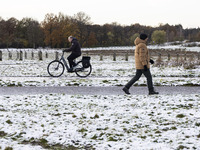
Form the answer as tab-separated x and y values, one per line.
75	47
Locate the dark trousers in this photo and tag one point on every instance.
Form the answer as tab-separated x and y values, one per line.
71	59
139	73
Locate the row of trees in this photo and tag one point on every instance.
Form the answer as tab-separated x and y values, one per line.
54	30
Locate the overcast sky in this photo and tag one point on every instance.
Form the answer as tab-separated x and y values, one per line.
124	12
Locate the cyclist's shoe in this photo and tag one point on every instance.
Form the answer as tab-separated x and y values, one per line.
74	67
126	90
71	70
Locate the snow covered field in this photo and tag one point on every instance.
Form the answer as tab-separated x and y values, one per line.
60	121
100	122
104	73
191	46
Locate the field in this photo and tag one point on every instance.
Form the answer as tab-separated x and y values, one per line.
60	121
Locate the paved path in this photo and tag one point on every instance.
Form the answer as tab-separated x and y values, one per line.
87	90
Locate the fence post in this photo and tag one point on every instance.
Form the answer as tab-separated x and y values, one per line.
40	55
192	57
185	57
17	55
46	55
126	56
168	56
177	57
21	55
32	55
114	56
9	55
0	55
101	57
56	56
159	58
25	54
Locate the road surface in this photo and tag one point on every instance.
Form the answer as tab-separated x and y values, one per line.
91	90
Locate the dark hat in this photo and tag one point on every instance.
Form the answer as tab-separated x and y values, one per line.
143	36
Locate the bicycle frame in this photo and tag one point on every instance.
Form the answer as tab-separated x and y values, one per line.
64	61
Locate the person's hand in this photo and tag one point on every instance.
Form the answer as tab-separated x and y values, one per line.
151	61
145	68
63	51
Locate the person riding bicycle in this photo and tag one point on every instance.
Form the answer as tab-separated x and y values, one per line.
76	52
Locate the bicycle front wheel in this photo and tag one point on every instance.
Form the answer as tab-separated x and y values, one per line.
81	71
55	68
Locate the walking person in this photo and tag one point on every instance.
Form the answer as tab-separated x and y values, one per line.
142	64
76	52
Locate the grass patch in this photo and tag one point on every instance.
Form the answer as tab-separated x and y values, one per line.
44	143
82	130
112	139
2	134
8	148
180	116
9	122
197	124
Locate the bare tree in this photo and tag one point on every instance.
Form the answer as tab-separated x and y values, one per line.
8	29
82	20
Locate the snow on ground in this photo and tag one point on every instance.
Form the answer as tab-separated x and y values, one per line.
104	73
100	122
97	121
186	46
191	46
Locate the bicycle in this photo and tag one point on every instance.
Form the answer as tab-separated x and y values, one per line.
83	68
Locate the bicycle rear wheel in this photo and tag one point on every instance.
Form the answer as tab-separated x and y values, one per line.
81	71
55	68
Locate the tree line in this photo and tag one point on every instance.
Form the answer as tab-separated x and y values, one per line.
54	30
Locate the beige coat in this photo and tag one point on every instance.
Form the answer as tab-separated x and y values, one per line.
141	54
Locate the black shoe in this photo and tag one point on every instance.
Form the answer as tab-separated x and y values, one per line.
126	90
153	92
71	70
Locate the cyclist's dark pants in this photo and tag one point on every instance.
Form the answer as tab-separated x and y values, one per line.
71	58
139	72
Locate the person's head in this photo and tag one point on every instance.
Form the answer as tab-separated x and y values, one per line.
143	36
70	38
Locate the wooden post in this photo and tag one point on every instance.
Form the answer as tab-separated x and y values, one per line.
25	54
159	60
168	56
114	56
0	55
177	57
46	55
159	56
56	57
17	55
9	55
126	56
101	57
40	55
192	57
185	57
32	55
21	55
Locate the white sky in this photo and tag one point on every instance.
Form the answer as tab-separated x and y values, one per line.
124	12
